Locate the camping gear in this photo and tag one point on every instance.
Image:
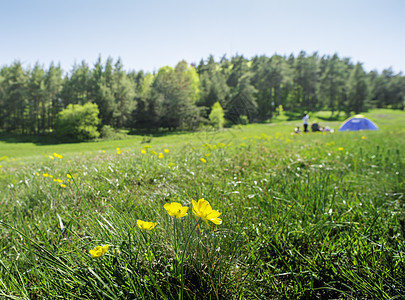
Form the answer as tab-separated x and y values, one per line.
356	123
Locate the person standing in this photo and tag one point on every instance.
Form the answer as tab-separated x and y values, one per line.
305	120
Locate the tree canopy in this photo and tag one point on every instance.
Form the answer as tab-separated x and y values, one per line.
182	97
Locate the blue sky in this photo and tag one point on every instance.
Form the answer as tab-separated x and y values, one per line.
147	35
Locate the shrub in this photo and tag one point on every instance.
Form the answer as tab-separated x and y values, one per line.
217	116
243	120
78	122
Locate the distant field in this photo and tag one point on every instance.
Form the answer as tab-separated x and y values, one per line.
310	216
384	118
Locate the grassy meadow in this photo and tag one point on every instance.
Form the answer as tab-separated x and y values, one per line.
310	216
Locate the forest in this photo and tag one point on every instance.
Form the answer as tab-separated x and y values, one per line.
181	98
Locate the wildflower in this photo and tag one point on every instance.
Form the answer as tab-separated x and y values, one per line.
103	151
45	174
59	180
118	151
203	160
161	155
203	210
36	173
166	151
51	157
145	225
99	251
63	185
143	151
363	137
69	176
340	148
175	209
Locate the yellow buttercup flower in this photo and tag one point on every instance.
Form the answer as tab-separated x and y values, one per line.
63	185
45	174
143	151
161	155
98	251
203	160
166	151
146	225
175	209
340	148
203	210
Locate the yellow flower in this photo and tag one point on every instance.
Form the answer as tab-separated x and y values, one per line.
51	157
143	151
203	160
69	176
175	209
203	210
63	185
161	155
50	176
45	174
59	180
363	137
145	225
166	151
98	251
340	148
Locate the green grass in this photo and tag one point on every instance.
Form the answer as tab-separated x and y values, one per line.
312	216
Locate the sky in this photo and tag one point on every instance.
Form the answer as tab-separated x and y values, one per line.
147	35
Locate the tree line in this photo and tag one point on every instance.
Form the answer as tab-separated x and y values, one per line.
182	97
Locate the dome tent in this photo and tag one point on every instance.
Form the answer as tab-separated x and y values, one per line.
356	123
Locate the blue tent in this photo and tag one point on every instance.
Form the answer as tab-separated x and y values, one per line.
356	123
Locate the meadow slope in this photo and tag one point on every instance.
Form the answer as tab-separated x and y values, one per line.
311	216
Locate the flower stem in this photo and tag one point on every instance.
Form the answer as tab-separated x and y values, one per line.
182	257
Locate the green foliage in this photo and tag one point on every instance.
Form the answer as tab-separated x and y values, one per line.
243	120
216	116
78	122
181	98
